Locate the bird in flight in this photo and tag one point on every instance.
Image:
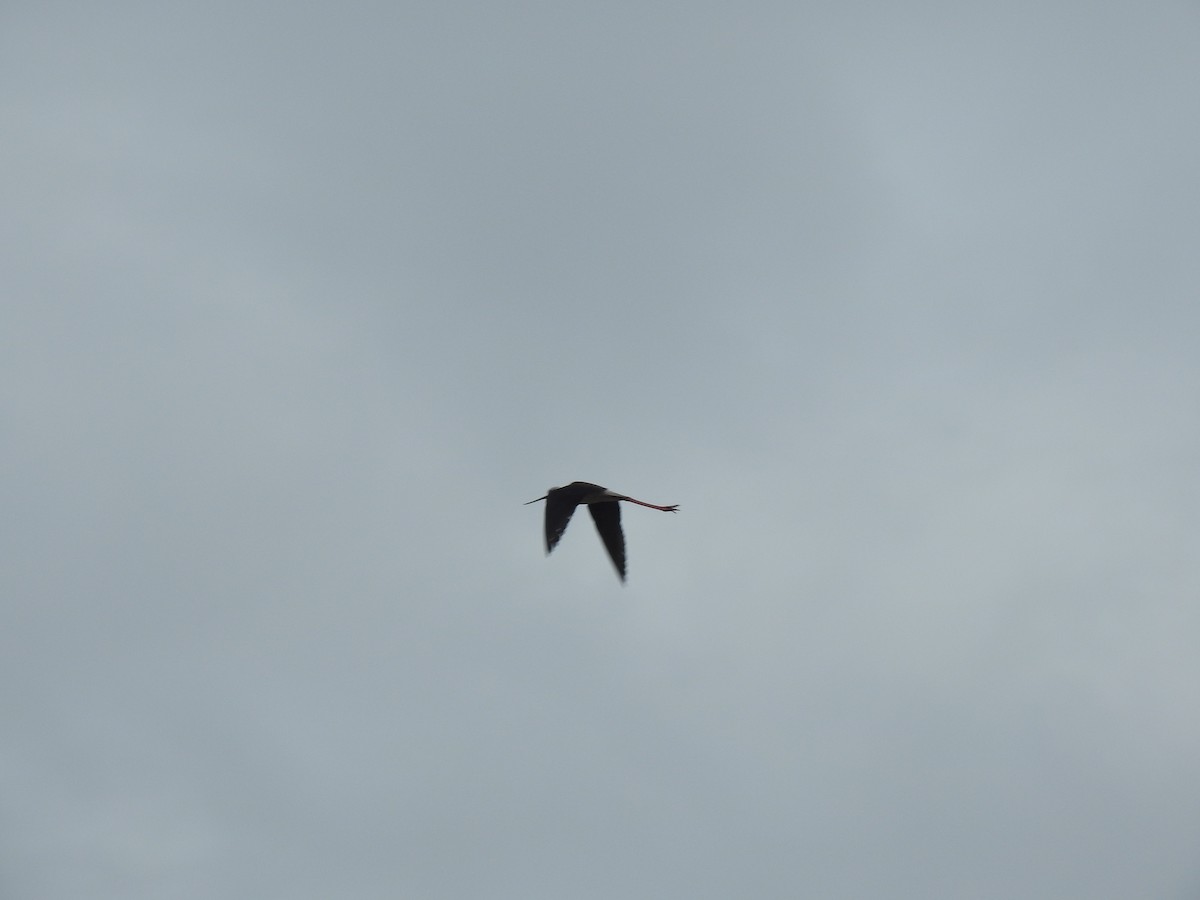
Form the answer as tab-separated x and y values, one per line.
603	504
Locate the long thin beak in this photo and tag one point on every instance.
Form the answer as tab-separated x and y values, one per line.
535	501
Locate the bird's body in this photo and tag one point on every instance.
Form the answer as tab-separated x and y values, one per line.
603	504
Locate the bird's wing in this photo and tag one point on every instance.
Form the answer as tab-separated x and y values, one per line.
607	517
559	510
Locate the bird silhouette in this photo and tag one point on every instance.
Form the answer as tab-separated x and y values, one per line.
603	504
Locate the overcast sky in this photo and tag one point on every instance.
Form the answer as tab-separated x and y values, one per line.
899	301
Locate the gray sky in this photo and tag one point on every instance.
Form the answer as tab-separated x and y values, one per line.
897	301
